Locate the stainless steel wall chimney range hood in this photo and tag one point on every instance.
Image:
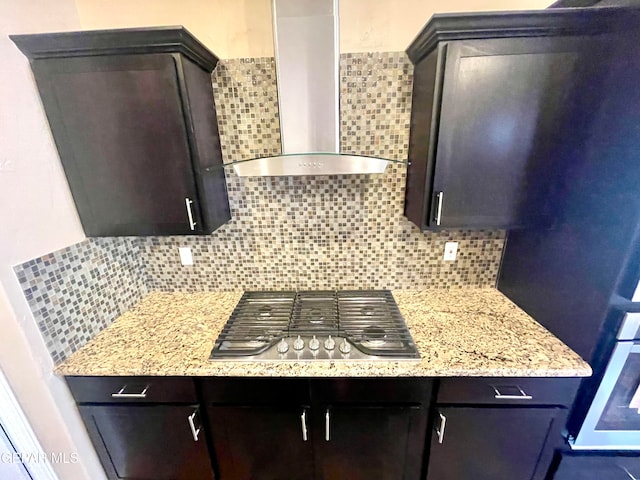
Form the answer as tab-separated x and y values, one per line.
307	54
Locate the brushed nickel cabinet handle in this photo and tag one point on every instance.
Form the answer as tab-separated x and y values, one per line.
188	202
439	199
521	396
327	425
303	421
440	430
122	394
194	432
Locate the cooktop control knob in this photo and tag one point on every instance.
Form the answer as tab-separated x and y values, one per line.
283	346
298	343
345	347
314	343
329	343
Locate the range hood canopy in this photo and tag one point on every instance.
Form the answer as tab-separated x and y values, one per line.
307	54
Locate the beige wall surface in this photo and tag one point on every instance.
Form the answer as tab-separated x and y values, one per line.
37	216
391	25
229	28
243	28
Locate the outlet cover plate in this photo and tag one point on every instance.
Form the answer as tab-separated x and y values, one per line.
186	258
450	251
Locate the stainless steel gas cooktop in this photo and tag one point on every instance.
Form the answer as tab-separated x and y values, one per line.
315	325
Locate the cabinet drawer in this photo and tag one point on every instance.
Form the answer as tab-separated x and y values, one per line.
371	390
255	391
508	391
132	389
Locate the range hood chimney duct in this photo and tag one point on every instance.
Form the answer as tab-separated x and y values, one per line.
307	50
307	55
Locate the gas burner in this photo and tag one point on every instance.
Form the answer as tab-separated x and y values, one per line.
314	326
374	337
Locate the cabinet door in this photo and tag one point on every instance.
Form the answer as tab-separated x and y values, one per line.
205	143
503	102
491	443
119	126
148	441
262	443
367	442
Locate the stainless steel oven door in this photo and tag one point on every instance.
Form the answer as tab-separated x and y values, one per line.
613	420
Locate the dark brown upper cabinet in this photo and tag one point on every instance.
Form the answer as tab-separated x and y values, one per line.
133	117
491	96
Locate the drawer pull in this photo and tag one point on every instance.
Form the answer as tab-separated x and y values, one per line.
522	395
121	393
194	432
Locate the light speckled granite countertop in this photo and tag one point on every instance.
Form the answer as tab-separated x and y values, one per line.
458	332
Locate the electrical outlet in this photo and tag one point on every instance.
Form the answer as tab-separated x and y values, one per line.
450	251
186	258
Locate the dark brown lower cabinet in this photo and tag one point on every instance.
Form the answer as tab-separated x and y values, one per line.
317	429
486	443
343	441
262	442
369	442
159	442
146	428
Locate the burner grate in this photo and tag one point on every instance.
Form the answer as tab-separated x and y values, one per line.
259	320
313	312
372	321
369	319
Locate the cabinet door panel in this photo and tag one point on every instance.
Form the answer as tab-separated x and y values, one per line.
147	442
491	443
425	111
261	443
205	147
382	443
502	106
118	123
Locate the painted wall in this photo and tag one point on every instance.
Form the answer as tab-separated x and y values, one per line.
37	216
229	28
242	28
390	26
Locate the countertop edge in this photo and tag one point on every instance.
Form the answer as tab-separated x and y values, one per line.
470	332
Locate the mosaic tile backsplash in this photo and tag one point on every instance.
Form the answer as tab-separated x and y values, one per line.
286	232
313	231
246	97
76	292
